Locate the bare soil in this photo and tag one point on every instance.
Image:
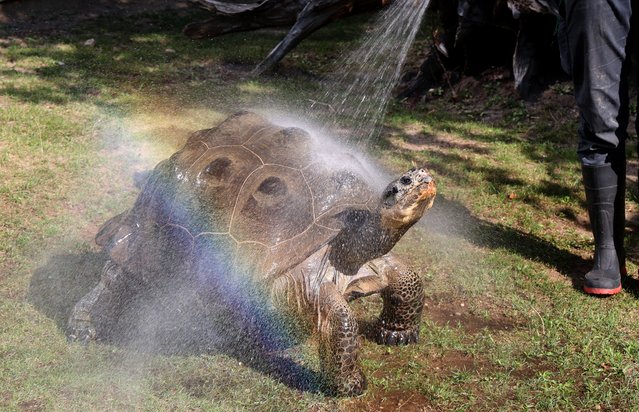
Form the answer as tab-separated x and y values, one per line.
448	311
393	401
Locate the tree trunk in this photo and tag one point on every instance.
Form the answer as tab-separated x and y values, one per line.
474	35
306	16
230	17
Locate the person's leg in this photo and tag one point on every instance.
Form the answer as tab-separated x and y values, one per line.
597	32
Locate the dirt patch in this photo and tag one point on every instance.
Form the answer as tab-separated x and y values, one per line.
531	368
405	401
471	86
31	405
447	311
456	361
438	366
5	398
197	386
558	102
555	276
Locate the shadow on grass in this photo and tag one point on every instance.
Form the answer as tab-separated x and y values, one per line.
144	54
472	161
452	218
148	54
172	321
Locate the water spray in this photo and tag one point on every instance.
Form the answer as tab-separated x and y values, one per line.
356	96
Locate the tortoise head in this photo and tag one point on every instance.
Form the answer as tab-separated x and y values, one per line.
406	199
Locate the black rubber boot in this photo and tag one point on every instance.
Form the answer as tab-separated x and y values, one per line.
620	219
601	191
619	227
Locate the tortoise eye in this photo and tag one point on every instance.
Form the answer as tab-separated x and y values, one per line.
405	180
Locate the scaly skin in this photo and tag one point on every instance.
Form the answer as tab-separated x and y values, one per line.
325	306
339	343
100	307
403	300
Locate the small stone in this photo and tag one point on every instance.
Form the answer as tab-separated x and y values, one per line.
457	313
90	42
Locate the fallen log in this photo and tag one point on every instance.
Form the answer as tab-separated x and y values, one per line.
305	17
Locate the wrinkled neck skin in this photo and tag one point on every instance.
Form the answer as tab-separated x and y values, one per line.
401	219
366	236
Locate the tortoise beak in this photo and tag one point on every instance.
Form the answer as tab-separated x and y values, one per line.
427	187
428	192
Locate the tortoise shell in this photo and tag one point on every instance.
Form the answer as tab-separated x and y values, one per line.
247	193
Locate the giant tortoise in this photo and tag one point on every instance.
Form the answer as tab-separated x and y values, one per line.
250	199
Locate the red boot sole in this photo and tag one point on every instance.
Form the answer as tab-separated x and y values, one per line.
601	291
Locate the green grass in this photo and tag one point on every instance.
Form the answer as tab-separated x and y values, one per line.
506	327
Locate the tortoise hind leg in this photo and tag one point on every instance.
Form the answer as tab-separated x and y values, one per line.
403	298
338	343
98	309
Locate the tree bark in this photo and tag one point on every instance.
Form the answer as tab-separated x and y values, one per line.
305	16
475	35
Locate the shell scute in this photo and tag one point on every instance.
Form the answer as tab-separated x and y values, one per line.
293	251
335	190
213	258
154	202
210	187
289	146
160	250
236	129
274	205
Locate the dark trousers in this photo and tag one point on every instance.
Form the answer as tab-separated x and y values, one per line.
597	37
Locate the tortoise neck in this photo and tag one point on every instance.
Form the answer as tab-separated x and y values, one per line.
363	239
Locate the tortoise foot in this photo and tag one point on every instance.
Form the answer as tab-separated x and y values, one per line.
80	328
353	384
394	337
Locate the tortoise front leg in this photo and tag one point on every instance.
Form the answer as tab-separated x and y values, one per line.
93	314
403	300
338	343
